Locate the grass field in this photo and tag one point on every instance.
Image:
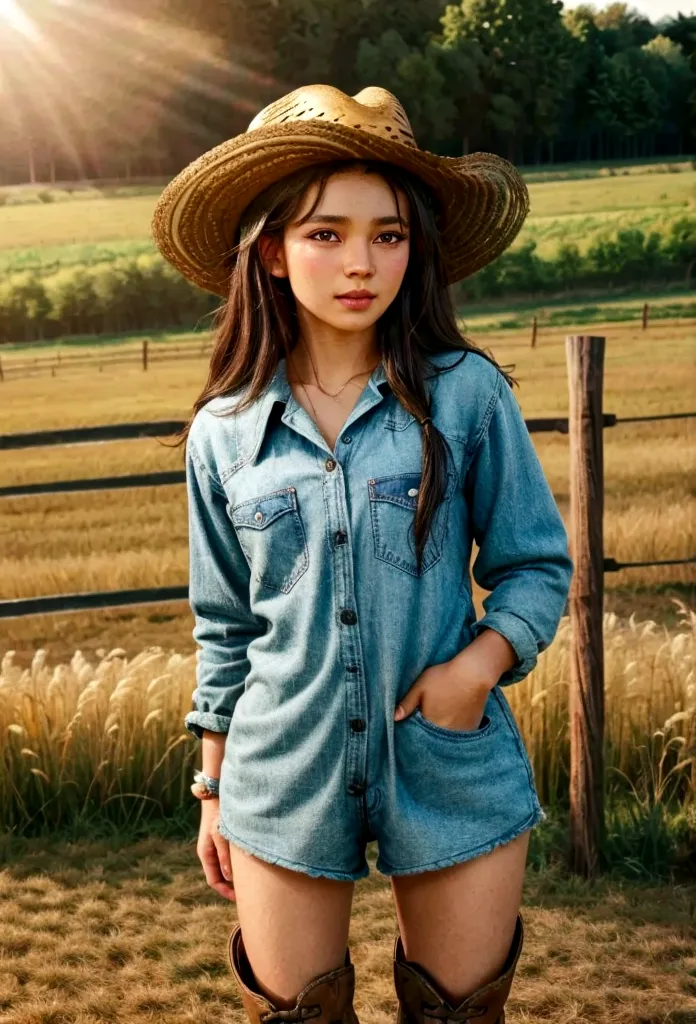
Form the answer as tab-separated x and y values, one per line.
115	539
55	544
35	235
99	926
106	930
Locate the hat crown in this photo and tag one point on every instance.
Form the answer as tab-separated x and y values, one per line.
373	110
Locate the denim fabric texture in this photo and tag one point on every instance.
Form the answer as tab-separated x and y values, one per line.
312	620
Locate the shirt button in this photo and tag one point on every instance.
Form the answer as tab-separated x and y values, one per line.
357	724
352	668
258	517
348	617
330	464
356	788
340	537
346	438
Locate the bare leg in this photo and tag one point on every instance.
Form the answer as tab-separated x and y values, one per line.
458	922
294	927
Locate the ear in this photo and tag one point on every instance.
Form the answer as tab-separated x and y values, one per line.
272	255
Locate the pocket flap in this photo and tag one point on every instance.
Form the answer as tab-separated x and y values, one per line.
262	511
401	489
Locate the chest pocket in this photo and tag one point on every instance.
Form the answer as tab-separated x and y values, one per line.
393	502
272	536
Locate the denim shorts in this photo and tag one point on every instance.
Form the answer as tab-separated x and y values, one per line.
446	796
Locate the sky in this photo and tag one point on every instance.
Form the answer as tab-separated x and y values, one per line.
653	9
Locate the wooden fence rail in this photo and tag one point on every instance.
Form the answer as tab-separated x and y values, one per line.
67	360
585	426
145	353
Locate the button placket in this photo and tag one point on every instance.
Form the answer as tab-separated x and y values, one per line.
356	699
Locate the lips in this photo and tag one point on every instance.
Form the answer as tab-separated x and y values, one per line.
356	300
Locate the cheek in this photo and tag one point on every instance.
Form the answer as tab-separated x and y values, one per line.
307	261
393	267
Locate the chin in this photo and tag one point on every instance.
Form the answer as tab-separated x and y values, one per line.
353	318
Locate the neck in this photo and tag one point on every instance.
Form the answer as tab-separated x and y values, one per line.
329	354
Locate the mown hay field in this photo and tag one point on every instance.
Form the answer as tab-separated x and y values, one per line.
92	703
129	933
90	227
121	539
138	537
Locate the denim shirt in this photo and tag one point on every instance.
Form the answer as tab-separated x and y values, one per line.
310	615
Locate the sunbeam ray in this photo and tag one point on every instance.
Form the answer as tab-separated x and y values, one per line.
95	78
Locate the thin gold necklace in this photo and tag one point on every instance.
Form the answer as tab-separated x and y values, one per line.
316	418
318	384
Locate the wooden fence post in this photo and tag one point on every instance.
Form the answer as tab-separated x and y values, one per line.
585	363
534	332
145	354
645	316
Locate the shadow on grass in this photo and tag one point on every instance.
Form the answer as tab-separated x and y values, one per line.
101	926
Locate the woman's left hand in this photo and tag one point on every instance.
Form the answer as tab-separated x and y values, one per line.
453	694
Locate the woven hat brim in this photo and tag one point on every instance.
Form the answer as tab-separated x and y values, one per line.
483	197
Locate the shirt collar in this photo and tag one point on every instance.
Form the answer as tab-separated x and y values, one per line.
279	390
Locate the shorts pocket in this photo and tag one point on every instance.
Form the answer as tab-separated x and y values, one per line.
457	793
393	502
272	536
485	727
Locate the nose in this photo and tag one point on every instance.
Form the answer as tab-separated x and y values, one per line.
358	260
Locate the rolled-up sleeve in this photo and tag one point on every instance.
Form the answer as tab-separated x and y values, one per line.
523	556
219	599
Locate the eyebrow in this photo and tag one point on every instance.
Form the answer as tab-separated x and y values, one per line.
333	218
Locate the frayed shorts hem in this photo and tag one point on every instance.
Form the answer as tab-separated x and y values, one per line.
537	816
284	862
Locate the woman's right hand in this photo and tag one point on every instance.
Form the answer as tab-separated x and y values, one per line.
214	850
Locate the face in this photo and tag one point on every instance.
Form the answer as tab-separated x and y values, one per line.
352	242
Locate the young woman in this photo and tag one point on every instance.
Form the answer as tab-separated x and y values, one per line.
347	449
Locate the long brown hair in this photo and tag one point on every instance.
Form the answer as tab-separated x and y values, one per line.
257	323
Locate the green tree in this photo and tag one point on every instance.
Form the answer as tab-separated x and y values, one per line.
589	59
527	68
673	80
623	28
412	74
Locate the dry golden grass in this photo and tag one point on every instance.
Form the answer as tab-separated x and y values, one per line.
90	732
134	538
115	932
105	933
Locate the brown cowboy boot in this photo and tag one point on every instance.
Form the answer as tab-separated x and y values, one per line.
327	999
421	1003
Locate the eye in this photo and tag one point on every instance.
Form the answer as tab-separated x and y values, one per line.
397	237
324	231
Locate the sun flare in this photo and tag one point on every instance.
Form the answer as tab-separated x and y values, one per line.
13	15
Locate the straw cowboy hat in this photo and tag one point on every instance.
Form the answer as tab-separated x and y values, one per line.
482	197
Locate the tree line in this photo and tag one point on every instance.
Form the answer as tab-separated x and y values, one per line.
145	292
125	88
